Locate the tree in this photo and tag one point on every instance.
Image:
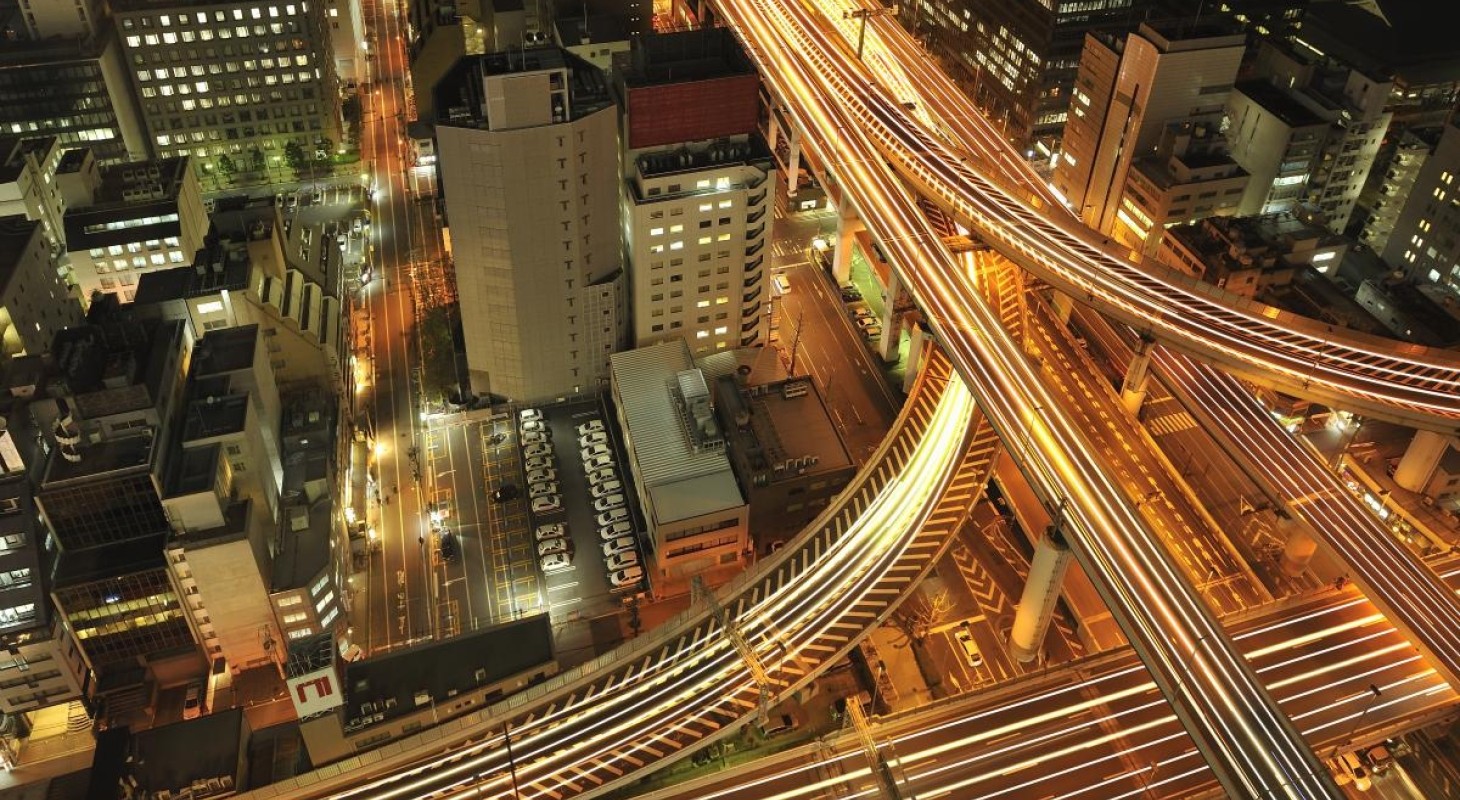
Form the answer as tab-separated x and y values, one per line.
915	617
438	349
295	158
256	159
226	167
351	112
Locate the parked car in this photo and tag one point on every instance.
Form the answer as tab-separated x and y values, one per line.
590	426
550	546
594	451
615	530
536	437
539	450
505	492
547	504
872	331
866	322
193	702
449	548
861	312
540	462
971	653
542	489
529	413
850	293
552	530
619	561
542	475
534	426
556	562
625	579
623	544
611	516
598	462
598	476
605	488
590	439
605	503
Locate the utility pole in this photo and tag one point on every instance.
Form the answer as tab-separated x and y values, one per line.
795	343
863	14
752	660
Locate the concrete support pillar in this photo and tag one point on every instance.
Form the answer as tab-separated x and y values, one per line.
793	164
1299	546
1133	388
1041	591
848	224
918	341
891	320
1063	306
1420	459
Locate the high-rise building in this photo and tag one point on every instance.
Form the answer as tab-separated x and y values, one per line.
35	303
1129	90
1017	58
233	79
28	184
1307	131
1407	157
696	189
1425	240
347	40
139	217
529	161
62	74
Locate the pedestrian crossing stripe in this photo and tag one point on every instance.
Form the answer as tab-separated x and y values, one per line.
1171	423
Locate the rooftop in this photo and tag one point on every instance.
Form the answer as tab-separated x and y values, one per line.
597	29
139	554
116	366
401	681
72	160
460	94
1279	103
226	350
123	455
221	265
780	429
135	202
1404	41
685	56
175	757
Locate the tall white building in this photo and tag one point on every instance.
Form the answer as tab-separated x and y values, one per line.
1425	241
529	162
697	192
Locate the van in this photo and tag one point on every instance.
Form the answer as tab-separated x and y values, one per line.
782	283
1355	771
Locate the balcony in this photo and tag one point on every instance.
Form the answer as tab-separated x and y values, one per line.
756	248
752	296
754	217
755	234
749	341
751	313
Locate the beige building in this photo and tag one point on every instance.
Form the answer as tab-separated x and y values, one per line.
28	184
529	159
696	515
34	301
1189	177
139	217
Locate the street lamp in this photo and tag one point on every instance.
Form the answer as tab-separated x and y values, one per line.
863	14
1374	694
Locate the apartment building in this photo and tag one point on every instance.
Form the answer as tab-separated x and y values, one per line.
1425	240
231	78
35	303
529	157
1128	91
1410	150
28	184
62	74
1189	177
1307	131
696	213
139	217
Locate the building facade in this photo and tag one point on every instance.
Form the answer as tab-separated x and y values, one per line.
1425	240
35	303
529	162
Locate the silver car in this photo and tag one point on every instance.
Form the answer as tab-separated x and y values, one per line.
542	475
623	544
549	546
605	488
606	503
547	504
542	489
619	561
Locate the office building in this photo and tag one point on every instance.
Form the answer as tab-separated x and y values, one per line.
138	217
1425	240
63	74
1307	132
240	79
1251	255
1017	59
445	31
1128	92
1188	177
35	303
696	187
347	41
529	160
697	517
28	184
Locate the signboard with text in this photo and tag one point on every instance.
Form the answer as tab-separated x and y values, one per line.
315	692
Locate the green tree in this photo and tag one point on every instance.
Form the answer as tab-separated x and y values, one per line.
256	159
351	110
438	349
295	158
226	167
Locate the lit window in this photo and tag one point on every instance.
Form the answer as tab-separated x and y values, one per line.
676	245
658	248
720	331
724	237
702	184
726	203
704	240
676	229
702	304
706	206
702	334
656	231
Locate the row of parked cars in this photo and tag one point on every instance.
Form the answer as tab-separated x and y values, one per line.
620	550
544	495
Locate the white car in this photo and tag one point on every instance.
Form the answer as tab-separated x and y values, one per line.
615	530
590	439
556	562
598	476
536	437
605	503
605	488
547	504
623	544
594	451
619	561
971	653
550	546
552	530
542	475
597	463
537	450
611	516
529	413
534	426
542	489
539	462
625	579
591	426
